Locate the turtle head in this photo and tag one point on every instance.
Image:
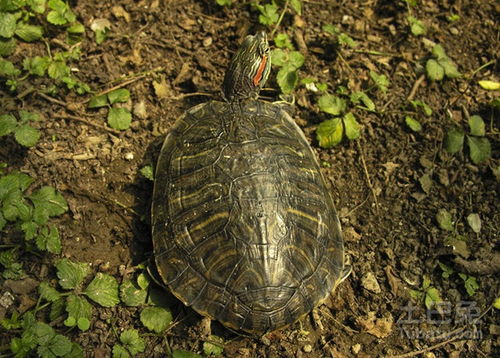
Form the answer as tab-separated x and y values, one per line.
249	69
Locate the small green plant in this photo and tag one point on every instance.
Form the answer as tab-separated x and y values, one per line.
101	27
417	27
41	339
131	344
342	38
12	267
413	124
454	238
440	65
344	124
381	81
103	289
419	107
446	270
24	133
428	294
469	282
496	303
479	145
72	301
331	131
289	62
134	294
14	16
156	319
180	353
30	213
213	346
22	20
444	220
224	2
269	13
147	172
118	117
459	244
313	85
60	12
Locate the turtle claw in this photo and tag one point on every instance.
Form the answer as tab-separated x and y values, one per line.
345	273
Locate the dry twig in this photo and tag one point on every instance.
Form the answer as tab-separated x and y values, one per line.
370	185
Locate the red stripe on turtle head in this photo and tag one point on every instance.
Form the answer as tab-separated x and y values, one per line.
258	76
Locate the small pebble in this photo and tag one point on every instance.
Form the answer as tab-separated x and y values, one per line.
7	299
356	348
347	19
307	348
140	110
207	41
454	31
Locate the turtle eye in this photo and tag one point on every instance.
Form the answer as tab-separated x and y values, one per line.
263	49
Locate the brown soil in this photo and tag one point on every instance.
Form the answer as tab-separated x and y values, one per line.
388	218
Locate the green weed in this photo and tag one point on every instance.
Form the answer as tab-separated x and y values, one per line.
41	338
479	146
147	172
30	213
118	117
344	124
428	294
224	2
289	61
342	38
440	65
131	344
24	133
419	108
103	289
459	244
469	282
27	20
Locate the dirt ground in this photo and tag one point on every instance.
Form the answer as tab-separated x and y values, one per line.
392	238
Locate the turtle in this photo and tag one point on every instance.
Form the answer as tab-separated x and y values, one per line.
244	227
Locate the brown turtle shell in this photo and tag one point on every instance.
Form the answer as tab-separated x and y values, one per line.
244	226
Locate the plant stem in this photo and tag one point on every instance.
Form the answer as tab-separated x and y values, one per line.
280	18
481	68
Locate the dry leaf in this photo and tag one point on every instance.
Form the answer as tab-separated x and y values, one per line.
100	25
426	182
369	282
183	75
140	110
161	89
119	11
378	327
351	235
394	281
